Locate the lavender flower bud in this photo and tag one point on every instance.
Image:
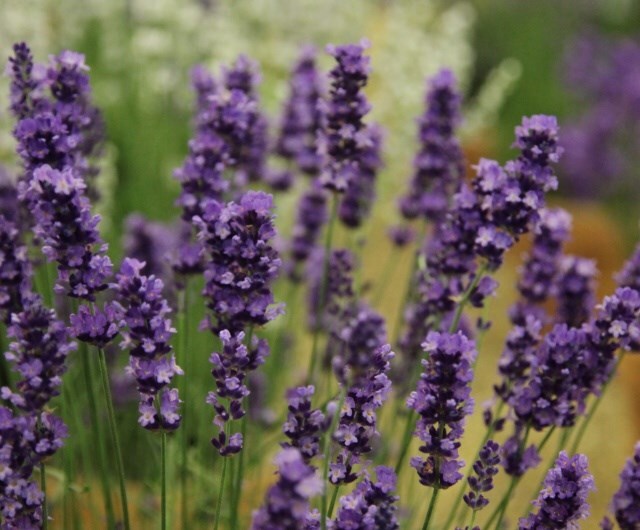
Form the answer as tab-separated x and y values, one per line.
442	400
148	339
371	505
563	500
304	425
439	165
626	501
481	481
287	502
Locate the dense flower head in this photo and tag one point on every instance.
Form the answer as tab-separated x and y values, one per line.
97	326
576	290
222	127
626	501
311	216
442	401
343	136
148	336
357	423
57	123
439	164
231	367
38	350
69	232
301	118
242	263
557	388
304	425
328	304
286	505
563	499
15	272
481	481
360	193
371	505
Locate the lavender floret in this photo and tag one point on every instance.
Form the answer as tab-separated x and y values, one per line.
481	481
304	425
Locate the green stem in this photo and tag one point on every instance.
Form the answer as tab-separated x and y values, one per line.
465	298
332	504
43	488
383	282
406	440
221	492
183	310
240	476
587	420
327	453
96	428
473	519
163	486
111	416
432	507
323	288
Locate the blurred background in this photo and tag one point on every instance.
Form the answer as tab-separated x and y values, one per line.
577	60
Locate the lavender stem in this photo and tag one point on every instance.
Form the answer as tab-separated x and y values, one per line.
432	507
327	451
163	479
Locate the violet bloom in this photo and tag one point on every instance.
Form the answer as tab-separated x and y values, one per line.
241	261
311	216
244	76
481	481
301	118
576	287
343	136
629	276
15	272
439	164
304	425
626	501
442	401
286	505
368	388
359	196
563	500
371	505
148	336
38	351
68	230
231	367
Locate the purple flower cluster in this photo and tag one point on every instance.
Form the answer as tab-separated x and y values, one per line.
439	164
147	337
302	119
63	221
286	505
38	351
204	85
15	272
371	505
230	369
563	500
484	469
241	263
344	135
442	401
357	424
576	286
57	124
626	501
304	425
8	196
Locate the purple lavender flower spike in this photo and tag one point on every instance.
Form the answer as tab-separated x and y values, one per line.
68	230
286	505
301	119
359	196
22	82
15	272
442	401
304	425
8	196
439	164
341	140
368	388
97	326
371	505
311	216
148	338
563	500
230	369
242	263
576	287
484	469
204	85
38	351
626	501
